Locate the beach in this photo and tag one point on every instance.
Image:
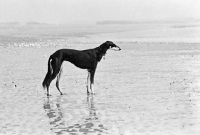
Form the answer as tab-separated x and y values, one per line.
150	87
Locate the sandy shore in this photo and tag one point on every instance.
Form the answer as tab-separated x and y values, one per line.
143	92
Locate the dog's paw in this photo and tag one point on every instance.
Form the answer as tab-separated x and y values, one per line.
48	95
93	93
63	94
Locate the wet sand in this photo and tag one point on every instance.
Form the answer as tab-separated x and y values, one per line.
139	91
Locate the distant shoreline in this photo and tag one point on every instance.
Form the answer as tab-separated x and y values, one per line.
118	31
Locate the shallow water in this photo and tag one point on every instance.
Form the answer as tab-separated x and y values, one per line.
138	92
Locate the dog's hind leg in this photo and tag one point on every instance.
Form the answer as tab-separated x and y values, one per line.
50	72
48	84
58	79
48	90
55	70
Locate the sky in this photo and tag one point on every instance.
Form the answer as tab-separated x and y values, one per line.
91	11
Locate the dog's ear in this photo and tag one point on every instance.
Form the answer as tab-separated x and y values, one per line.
109	42
106	45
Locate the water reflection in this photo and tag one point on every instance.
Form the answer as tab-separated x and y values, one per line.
89	123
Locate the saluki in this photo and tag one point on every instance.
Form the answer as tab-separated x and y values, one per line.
84	59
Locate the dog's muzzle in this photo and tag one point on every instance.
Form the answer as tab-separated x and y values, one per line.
117	48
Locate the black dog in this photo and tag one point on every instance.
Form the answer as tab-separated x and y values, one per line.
84	59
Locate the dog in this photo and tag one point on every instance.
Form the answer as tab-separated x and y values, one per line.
84	59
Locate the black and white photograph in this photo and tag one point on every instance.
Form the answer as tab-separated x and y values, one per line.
99	67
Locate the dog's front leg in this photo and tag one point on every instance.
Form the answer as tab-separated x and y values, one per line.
92	81
88	82
92	88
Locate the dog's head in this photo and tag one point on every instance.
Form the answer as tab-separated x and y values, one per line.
104	47
111	45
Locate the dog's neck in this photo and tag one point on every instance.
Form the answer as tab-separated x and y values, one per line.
104	56
101	52
100	48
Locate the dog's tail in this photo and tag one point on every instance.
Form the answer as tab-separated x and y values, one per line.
49	72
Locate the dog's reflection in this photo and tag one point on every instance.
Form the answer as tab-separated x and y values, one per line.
92	109
90	123
54	112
